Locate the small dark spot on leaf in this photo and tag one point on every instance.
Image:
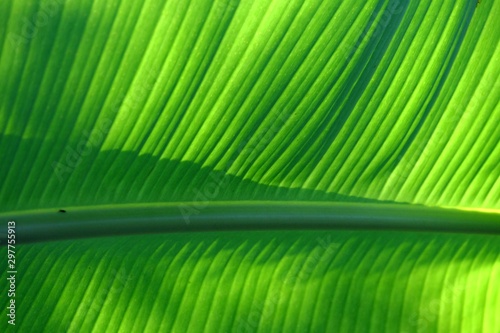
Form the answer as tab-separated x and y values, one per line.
62	211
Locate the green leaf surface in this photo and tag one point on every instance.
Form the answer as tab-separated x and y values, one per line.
138	101
220	144
287	281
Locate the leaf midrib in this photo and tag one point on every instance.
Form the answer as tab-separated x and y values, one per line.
110	220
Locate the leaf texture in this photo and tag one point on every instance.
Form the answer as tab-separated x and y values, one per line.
115	101
112	110
287	281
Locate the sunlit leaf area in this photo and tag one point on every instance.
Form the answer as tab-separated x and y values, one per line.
250	166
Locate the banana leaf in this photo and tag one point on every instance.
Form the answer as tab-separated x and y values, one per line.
250	166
